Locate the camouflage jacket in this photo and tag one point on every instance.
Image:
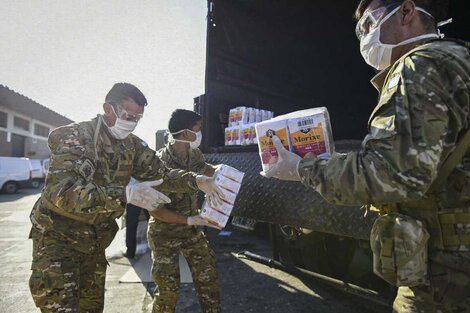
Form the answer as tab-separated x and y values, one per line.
422	112
88	172
182	203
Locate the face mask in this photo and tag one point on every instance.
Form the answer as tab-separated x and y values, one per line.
379	55
122	128
192	144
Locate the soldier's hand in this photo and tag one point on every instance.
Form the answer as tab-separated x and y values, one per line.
213	193
145	196
196	220
287	165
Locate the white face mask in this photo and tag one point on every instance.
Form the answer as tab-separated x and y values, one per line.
192	144
379	55
121	128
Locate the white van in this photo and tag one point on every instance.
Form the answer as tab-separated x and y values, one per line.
38	174
14	173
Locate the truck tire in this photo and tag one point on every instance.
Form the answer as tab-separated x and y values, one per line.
10	187
35	183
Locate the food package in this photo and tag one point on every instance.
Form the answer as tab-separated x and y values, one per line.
224	207
230	197
232	117
231	173
228	136
254	139
251	115
213	216
310	132
229	180
236	137
246	137
244	116
226	183
300	132
259	115
264	133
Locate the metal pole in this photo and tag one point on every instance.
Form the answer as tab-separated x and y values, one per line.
363	293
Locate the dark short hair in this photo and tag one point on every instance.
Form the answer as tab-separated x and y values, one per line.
125	91
183	119
437	8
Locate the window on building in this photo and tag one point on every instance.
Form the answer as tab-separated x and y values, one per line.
21	123
40	130
3	119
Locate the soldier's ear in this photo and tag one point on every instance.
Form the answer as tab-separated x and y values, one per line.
185	134
108	110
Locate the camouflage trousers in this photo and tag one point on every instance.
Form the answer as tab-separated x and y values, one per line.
165	272
449	289
64	279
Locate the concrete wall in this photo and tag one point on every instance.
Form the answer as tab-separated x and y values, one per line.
35	147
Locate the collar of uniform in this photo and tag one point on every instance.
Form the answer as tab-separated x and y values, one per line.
175	158
108	141
379	79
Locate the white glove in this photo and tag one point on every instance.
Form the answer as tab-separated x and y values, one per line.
287	165
213	193
196	220
144	196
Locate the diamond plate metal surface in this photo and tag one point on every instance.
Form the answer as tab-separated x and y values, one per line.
290	203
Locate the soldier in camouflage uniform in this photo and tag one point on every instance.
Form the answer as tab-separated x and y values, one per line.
172	233
74	219
422	114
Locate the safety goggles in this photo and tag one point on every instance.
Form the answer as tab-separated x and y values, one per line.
372	19
124	114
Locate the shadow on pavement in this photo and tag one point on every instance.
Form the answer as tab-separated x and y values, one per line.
20	194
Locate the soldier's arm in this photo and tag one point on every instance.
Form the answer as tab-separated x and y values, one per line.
400	155
168	216
148	166
70	185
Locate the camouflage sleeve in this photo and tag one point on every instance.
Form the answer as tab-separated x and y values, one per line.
148	166
401	153
70	185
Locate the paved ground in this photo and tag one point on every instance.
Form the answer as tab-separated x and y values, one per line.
246	286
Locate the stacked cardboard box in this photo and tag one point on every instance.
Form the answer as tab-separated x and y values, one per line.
229	180
301	132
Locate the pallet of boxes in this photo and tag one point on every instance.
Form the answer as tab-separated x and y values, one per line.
302	132
229	180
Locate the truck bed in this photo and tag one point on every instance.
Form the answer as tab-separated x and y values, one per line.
291	203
